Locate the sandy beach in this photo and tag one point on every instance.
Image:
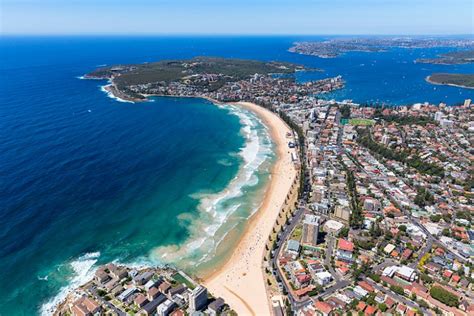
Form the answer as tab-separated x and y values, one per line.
240	281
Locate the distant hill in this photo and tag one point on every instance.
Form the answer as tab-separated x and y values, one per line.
176	70
452	58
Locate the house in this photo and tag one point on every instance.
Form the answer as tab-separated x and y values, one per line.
380	298
315	267
366	286
361	306
216	306
117	272
447	274
389	302
370	310
323	308
302	280
293	248
143	278
165	308
150	307
360	292
85	306
153	293
323	278
401	308
345	249
101	276
152	283
407	254
126	294
389	248
164	287
140	300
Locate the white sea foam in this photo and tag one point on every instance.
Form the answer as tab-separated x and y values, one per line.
111	95
83	269
216	208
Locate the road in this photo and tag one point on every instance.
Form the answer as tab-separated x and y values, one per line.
286	231
334	288
327	260
424	251
397	297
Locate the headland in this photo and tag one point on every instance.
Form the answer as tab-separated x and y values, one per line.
454	80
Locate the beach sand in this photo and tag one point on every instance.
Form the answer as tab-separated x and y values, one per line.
241	281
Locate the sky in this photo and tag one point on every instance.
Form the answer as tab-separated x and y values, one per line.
215	17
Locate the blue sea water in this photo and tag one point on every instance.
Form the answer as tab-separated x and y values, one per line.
85	179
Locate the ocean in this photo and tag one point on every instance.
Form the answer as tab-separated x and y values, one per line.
85	179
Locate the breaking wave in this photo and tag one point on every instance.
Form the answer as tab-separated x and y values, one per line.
219	213
82	271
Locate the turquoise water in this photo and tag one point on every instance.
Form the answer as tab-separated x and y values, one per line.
88	180
85	179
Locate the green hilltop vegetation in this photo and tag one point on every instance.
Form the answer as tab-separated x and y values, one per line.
461	80
175	70
451	58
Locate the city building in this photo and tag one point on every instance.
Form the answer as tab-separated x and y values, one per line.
310	230
198	298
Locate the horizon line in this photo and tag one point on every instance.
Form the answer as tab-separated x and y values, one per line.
228	34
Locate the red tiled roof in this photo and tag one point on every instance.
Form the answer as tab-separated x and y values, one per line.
370	310
345	245
323	307
361	306
411	313
366	286
401	307
447	273
302	278
303	291
389	302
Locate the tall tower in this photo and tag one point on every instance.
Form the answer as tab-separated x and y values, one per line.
310	229
198	298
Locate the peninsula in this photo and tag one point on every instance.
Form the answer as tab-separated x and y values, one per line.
193	77
338	46
451	58
456	80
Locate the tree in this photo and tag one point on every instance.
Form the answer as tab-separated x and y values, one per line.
397	289
423	304
444	296
426	278
345	111
402	228
375	277
383	308
343	233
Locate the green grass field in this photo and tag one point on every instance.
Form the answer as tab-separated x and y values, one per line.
361	122
180	279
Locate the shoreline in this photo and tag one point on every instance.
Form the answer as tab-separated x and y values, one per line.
428	79
240	280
